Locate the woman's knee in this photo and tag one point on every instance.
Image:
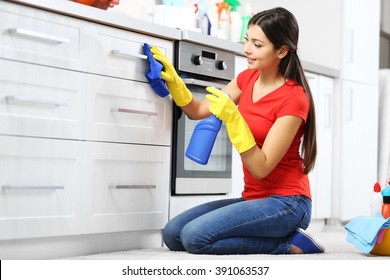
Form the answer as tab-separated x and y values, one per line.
193	240
171	237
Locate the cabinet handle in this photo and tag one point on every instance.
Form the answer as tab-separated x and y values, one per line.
349	47
132	187
31	187
328	110
349	101
42	102
128	55
130	111
38	35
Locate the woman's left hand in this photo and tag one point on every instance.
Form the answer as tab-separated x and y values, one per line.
226	110
220	104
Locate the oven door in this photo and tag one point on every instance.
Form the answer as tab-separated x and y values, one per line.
189	177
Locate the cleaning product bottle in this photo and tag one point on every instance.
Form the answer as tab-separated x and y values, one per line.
235	21
376	200
386	202
203	139
223	31
204	22
245	20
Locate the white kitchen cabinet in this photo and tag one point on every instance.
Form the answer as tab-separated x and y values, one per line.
127	111
359	92
41	37
41	101
321	176
359	147
41	183
115	53
127	187
85	142
361	40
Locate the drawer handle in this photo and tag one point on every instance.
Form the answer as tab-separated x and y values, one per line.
132	187
130	111
30	187
39	35
128	55
34	101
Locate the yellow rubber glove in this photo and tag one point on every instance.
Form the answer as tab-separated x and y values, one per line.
180	93
226	110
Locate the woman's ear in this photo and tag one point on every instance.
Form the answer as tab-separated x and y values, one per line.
283	51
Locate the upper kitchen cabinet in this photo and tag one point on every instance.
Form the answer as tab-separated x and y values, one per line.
361	41
358	117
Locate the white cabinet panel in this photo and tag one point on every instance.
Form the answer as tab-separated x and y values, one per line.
321	176
359	147
41	184
41	37
361	40
127	187
41	101
125	111
119	53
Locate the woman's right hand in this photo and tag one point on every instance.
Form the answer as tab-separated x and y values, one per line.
178	90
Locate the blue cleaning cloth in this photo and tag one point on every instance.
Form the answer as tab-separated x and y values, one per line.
154	74
362	231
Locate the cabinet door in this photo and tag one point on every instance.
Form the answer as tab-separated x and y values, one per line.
127	187
41	101
324	112
119	53
127	111
41	37
41	185
361	40
359	148
321	176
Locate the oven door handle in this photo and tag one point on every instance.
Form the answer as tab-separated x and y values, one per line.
196	82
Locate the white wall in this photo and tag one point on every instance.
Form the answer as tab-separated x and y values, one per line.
320	28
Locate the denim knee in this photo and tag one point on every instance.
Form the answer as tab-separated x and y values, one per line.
171	237
193	241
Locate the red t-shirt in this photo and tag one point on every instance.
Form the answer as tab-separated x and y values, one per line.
288	177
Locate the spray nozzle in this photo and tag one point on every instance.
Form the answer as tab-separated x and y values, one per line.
233	4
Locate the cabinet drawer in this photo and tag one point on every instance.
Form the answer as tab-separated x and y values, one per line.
127	187
41	37
126	111
41	187
119	53
41	101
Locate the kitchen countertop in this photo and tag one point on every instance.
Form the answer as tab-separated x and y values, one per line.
73	9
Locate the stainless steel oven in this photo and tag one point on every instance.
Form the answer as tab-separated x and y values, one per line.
200	66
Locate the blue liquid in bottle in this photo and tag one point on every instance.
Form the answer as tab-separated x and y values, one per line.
203	139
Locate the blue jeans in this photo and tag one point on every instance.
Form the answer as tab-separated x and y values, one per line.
237	226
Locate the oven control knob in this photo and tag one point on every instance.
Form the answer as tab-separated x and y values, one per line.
198	60
221	65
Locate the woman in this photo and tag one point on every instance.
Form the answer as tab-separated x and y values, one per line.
275	109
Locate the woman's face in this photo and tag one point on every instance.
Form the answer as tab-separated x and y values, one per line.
259	50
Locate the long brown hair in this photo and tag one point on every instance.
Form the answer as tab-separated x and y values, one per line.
281	28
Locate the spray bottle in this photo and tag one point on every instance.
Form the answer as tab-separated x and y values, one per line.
203	139
223	31
245	20
203	21
235	21
376	200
